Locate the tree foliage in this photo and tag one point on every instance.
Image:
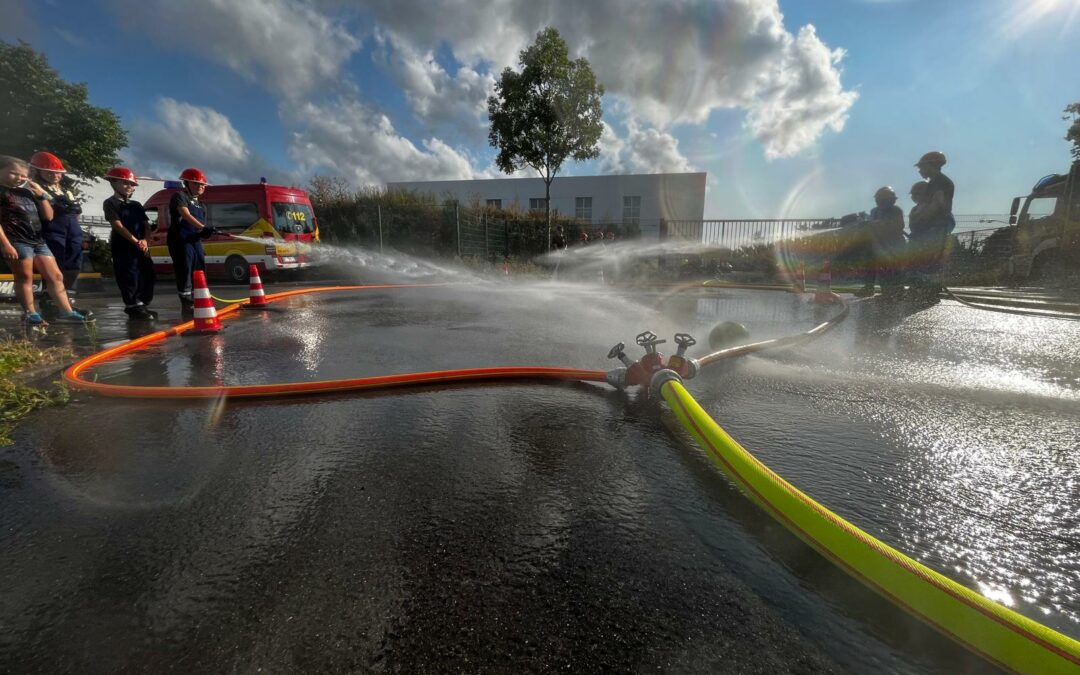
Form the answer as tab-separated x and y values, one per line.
547	113
1072	114
40	111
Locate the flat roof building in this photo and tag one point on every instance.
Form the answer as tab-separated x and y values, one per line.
637	199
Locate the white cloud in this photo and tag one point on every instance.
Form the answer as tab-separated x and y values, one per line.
663	63
671	62
644	150
350	139
189	135
285	45
803	97
444	101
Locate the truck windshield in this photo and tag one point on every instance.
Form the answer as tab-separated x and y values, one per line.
293	218
1040	207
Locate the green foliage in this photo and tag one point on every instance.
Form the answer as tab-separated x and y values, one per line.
420	224
16	399
408	221
40	111
1072	114
547	113
100	254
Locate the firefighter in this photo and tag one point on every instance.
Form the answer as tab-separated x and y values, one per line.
63	234
938	220
884	237
187	228
132	266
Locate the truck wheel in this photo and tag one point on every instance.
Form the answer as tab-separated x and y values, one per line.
236	269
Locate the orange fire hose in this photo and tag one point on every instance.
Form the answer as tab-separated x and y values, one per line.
75	374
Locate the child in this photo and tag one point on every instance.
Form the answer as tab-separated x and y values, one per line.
918	216
884	236
63	234
187	227
23	205
922	239
132	266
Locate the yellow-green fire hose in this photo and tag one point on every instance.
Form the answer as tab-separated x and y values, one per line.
999	634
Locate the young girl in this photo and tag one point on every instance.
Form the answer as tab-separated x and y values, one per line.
23	205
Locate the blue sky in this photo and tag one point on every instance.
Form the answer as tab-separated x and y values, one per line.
798	109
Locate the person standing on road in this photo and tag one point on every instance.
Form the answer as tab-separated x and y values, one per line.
558	240
929	246
132	266
63	234
187	228
23	206
884	237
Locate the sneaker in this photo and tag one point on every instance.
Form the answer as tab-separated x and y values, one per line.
74	317
149	312
34	319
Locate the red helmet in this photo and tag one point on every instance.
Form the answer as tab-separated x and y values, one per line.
46	161
122	173
193	175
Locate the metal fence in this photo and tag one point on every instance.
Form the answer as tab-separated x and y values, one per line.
95	226
980	221
736	234
454	229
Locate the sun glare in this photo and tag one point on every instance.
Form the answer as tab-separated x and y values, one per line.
1028	13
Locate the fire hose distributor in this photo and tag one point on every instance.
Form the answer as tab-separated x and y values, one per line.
653	360
619	377
686	368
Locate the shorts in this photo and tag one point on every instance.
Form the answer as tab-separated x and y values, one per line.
32	250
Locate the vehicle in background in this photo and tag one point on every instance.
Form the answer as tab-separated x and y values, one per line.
1047	236
271	226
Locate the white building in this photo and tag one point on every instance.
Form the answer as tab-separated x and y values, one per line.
639	199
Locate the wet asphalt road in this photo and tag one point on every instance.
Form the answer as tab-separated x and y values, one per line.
534	526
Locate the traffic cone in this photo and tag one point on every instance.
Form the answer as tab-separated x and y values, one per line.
256	294
824	294
206	319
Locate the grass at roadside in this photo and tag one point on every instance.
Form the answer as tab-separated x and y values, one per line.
17	399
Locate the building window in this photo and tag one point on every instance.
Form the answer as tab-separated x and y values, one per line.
494	203
631	210
583	208
537	203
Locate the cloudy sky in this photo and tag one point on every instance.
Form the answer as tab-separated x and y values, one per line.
798	109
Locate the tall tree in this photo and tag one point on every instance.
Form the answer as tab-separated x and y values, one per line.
547	113
40	111
1072	114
